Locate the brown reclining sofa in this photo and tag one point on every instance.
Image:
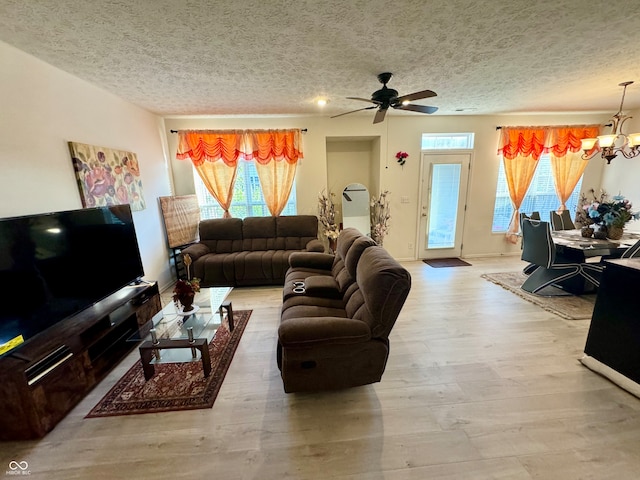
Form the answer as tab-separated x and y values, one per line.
254	251
337	313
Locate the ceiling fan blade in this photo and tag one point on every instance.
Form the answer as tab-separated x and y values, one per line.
417	108
416	96
380	115
354	111
364	100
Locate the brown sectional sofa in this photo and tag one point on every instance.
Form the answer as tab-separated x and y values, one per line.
334	330
254	251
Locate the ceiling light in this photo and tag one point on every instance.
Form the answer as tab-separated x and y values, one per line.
322	102
616	142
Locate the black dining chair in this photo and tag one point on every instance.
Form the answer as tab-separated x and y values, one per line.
538	249
528	270
561	221
633	251
594	270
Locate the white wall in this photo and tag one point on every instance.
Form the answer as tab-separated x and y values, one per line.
41	109
398	133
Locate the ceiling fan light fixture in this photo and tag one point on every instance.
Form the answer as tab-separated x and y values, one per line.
385	98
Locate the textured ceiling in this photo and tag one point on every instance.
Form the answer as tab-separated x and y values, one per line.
197	57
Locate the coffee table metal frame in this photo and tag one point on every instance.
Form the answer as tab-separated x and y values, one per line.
150	349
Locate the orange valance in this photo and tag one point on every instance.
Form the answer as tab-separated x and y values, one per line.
567	139
231	145
533	141
522	142
275	145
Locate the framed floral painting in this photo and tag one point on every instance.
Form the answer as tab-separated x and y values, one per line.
106	176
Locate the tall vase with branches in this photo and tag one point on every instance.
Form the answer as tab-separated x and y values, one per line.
327	217
380	217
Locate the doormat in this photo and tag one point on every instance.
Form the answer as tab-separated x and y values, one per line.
445	262
551	299
174	386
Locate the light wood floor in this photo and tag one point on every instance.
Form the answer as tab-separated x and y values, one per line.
480	384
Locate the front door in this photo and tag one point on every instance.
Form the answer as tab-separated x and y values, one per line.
443	202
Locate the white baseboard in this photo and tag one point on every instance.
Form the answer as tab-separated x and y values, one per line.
623	382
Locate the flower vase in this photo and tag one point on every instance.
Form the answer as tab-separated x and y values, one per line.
186	300
333	244
614	233
600	232
586	232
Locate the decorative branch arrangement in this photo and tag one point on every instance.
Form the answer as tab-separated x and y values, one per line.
327	215
380	216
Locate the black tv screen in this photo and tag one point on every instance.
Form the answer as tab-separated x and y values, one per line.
55	265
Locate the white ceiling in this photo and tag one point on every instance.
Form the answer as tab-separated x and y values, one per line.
198	57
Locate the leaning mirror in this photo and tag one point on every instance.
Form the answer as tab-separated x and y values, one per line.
355	208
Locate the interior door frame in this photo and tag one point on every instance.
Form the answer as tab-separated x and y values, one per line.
423	189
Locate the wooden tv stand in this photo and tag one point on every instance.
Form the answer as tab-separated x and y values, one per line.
45	378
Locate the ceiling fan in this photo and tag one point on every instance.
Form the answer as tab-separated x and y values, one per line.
388	97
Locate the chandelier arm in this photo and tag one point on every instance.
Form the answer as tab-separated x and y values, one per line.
633	152
624	118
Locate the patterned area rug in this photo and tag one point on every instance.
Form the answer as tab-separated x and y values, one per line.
552	299
175	386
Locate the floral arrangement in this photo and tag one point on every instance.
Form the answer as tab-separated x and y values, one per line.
327	215
186	287
611	213
402	157
380	216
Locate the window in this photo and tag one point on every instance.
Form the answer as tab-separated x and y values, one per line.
541	196
447	141
247	196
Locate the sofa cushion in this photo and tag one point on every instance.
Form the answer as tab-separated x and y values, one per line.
259	233
308	331
296	231
221	235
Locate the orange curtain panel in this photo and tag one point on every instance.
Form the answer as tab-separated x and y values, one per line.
567	165
215	155
520	148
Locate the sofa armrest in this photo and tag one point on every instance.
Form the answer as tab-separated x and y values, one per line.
321	261
315	245
196	251
324	286
313	331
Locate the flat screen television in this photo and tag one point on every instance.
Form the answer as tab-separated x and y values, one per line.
55	265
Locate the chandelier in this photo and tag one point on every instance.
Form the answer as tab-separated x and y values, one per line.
616	142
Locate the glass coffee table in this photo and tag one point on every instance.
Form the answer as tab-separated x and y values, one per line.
178	336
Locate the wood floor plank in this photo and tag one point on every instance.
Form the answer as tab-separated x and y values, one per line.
480	384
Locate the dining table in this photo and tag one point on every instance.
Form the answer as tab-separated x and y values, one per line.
572	247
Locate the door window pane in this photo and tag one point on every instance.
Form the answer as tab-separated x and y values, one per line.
447	141
443	209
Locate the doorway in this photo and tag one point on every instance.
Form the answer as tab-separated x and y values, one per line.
443	201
